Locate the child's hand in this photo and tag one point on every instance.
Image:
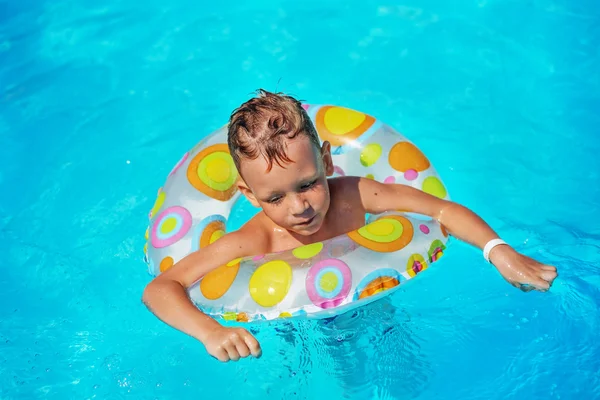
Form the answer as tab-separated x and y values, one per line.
229	344
521	271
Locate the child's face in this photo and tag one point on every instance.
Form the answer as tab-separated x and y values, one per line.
295	196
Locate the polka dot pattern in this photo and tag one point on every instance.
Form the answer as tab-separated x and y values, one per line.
415	264
370	154
328	283
405	156
170	226
213	172
411	175
208	231
309	278
218	281
434	186
166	263
340	125
308	251
386	234
270	283
378	281
236	316
158	203
436	250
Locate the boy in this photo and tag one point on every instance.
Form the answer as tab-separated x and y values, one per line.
284	170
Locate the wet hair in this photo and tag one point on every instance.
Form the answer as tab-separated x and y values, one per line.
263	125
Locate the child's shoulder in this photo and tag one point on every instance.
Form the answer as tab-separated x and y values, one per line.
251	238
367	193
353	186
347	192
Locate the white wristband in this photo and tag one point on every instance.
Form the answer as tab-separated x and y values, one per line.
489	246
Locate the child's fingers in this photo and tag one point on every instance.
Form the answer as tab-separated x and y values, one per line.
220	354
548	268
548	275
252	344
526	287
540	283
240	346
232	351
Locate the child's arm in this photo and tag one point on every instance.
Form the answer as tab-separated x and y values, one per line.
462	223
166	296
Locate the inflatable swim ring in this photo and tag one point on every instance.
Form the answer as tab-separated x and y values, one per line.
316	280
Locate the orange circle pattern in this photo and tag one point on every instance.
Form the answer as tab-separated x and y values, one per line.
405	155
210	229
378	285
218	281
166	263
341	139
194	179
400	243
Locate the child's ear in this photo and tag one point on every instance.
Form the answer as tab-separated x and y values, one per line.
327	160
242	187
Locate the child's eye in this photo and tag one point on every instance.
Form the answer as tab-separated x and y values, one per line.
275	200
308	185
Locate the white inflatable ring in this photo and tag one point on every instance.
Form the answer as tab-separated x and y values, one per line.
317	280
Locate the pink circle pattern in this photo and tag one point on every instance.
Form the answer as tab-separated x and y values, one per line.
183	224
332	299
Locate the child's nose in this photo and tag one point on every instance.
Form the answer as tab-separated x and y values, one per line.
299	205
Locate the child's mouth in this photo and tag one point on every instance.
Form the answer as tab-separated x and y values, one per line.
308	222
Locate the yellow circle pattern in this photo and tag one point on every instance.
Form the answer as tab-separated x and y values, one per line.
329	281
270	283
158	203
340	125
233	262
213	232
384	230
340	121
411	263
308	251
213	172
216	235
370	154
217	171
434	186
168	225
387	234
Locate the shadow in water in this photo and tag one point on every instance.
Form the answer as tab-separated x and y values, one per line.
371	352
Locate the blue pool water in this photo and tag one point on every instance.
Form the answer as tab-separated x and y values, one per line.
98	100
